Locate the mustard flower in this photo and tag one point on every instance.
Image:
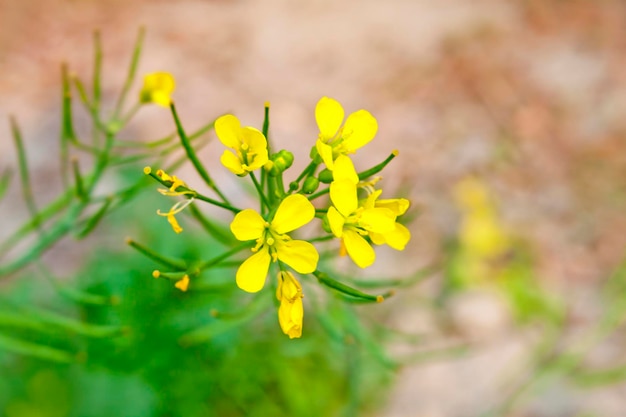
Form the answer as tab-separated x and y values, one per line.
400	235
334	139
291	311
349	220
157	88
248	143
272	241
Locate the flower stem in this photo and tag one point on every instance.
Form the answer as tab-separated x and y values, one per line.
191	154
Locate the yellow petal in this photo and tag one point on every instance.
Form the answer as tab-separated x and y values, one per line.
344	170
359	250
335	221
232	162
247	225
343	196
329	115
398	237
253	271
157	88
379	220
293	212
377	238
161	98
326	152
290	315
228	130
257	147
298	254
399	206
360	128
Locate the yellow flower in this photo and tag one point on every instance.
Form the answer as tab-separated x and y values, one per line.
272	242
290	312
400	235
351	221
157	88
335	140
481	230
248	143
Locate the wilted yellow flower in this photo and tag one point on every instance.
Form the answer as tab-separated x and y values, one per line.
176	208
183	283
248	143
291	311
272	241
335	139
157	88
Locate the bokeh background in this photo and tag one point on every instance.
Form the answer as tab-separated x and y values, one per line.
523	101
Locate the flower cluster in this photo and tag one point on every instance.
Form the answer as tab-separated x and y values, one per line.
354	213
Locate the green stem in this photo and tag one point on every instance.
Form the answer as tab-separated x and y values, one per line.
170	263
131	73
377	168
214	261
27	190
191	154
259	190
323	278
319	193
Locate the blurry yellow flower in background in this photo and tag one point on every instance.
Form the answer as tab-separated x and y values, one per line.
335	140
249	144
291	311
157	88
351	222
272	242
481	231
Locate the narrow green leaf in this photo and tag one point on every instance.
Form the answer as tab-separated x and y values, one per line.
132	70
191	154
94	220
24	173
32	349
5	180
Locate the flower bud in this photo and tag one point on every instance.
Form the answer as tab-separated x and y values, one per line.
310	185
326	176
281	162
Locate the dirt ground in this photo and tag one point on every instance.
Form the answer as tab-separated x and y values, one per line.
454	85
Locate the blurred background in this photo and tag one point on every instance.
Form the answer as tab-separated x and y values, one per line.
510	120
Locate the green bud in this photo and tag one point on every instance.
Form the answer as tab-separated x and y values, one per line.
281	162
310	185
326	176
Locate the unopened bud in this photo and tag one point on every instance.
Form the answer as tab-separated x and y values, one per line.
310	185
326	176
281	162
